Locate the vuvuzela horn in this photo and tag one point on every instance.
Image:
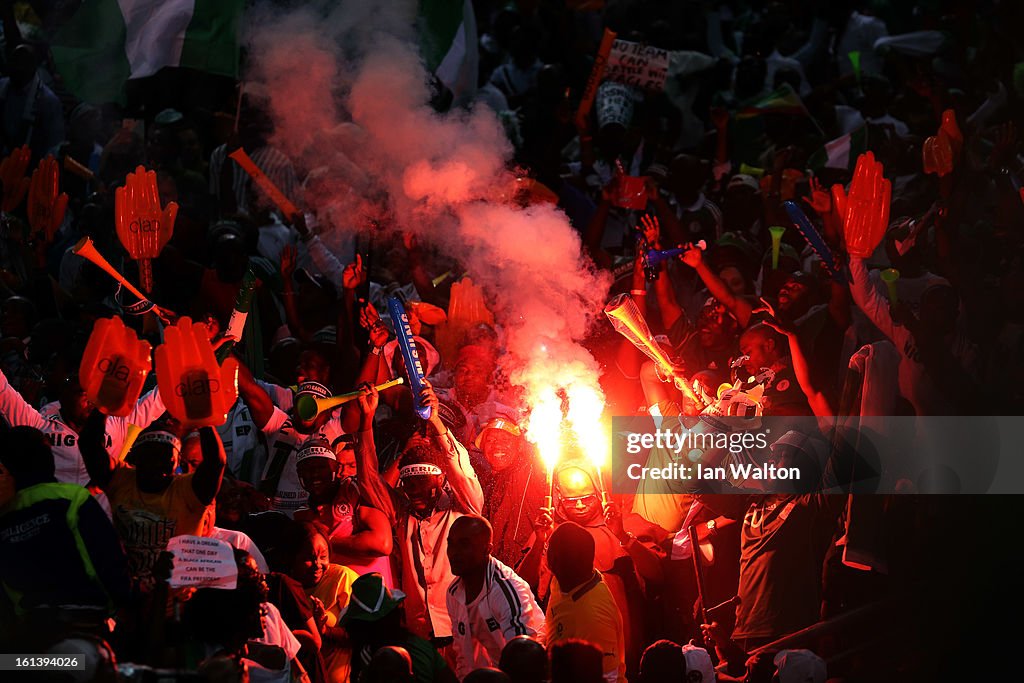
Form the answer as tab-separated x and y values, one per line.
86	249
627	321
307	407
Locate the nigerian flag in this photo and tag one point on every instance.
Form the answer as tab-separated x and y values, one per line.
841	152
108	42
448	43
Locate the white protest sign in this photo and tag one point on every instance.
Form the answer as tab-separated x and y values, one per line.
641	66
202	562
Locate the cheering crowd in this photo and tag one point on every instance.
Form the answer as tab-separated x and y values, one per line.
413	532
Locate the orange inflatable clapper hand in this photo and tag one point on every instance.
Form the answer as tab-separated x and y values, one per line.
951	131
865	209
114	367
194	388
46	203
12	175
142	226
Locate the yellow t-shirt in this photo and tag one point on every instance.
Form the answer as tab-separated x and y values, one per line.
335	590
146	521
588	612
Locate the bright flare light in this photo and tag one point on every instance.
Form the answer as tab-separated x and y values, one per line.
585	409
545	428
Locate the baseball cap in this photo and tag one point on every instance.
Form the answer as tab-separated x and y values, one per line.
371	600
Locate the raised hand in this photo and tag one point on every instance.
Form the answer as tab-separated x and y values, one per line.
12	175
692	257
651	231
613	518
544	524
429	399
368	401
773	321
354	275
821	200
370	320
46	204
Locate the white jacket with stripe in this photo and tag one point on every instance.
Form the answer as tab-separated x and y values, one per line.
507	607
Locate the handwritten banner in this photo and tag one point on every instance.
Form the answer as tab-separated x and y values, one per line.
202	562
637	65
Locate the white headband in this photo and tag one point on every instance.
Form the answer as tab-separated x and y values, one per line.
419	470
315	451
160	437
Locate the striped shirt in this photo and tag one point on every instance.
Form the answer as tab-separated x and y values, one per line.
504	609
274	164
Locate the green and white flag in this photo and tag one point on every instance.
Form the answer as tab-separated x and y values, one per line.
448	42
841	152
108	42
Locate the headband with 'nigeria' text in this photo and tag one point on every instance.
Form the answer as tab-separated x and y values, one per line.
419	470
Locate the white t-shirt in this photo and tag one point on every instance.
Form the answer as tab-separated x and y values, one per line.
241	541
245	449
70	468
275	632
283	444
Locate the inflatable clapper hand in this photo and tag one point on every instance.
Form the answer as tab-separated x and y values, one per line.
194	388
12	175
142	226
940	152
46	203
114	367
865	209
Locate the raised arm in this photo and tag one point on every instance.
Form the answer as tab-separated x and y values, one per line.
210	472
371	538
372	488
458	470
739	307
870	301
255	397
16	409
291	311
147	410
820	405
92	445
667	303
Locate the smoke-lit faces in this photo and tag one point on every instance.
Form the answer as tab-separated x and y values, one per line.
715	326
74	406
346	455
318	477
423	493
469	546
794	298
759	345
472	382
312	367
578	498
312	561
501	449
